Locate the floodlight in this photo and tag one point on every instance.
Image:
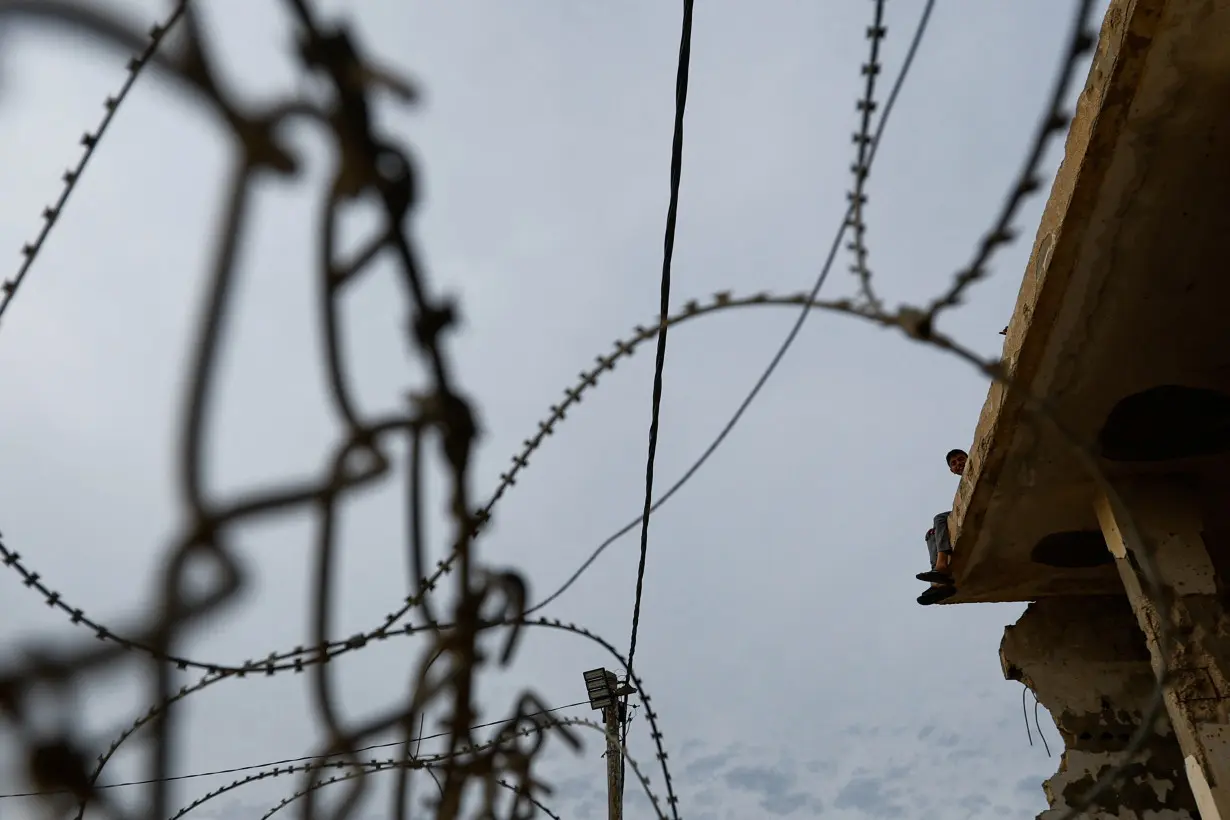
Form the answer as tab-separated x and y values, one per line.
601	686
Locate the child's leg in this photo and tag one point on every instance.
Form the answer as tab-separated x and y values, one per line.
942	561
940	557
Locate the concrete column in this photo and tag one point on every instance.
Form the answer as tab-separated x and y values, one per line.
1086	660
1163	516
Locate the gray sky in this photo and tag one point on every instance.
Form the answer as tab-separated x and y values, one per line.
792	669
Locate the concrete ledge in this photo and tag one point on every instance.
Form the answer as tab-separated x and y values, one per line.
1123	47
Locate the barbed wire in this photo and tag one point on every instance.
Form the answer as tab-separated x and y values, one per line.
362	768
275	763
355	748
371	166
366	771
210	679
861	167
89	141
577	722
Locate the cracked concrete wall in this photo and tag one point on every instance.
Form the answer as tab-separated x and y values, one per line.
1086	660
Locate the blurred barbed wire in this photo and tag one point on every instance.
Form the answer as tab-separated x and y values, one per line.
370	167
438	421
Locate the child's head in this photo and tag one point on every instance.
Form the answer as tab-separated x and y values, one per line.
956	461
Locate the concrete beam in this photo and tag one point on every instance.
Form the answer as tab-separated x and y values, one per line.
1162	518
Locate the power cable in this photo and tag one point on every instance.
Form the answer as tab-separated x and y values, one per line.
289	760
668	252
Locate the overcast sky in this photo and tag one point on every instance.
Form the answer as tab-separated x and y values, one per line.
793	672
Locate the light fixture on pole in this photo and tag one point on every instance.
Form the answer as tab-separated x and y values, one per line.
604	690
600	685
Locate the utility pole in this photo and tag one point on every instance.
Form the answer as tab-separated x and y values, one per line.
614	777
605	690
